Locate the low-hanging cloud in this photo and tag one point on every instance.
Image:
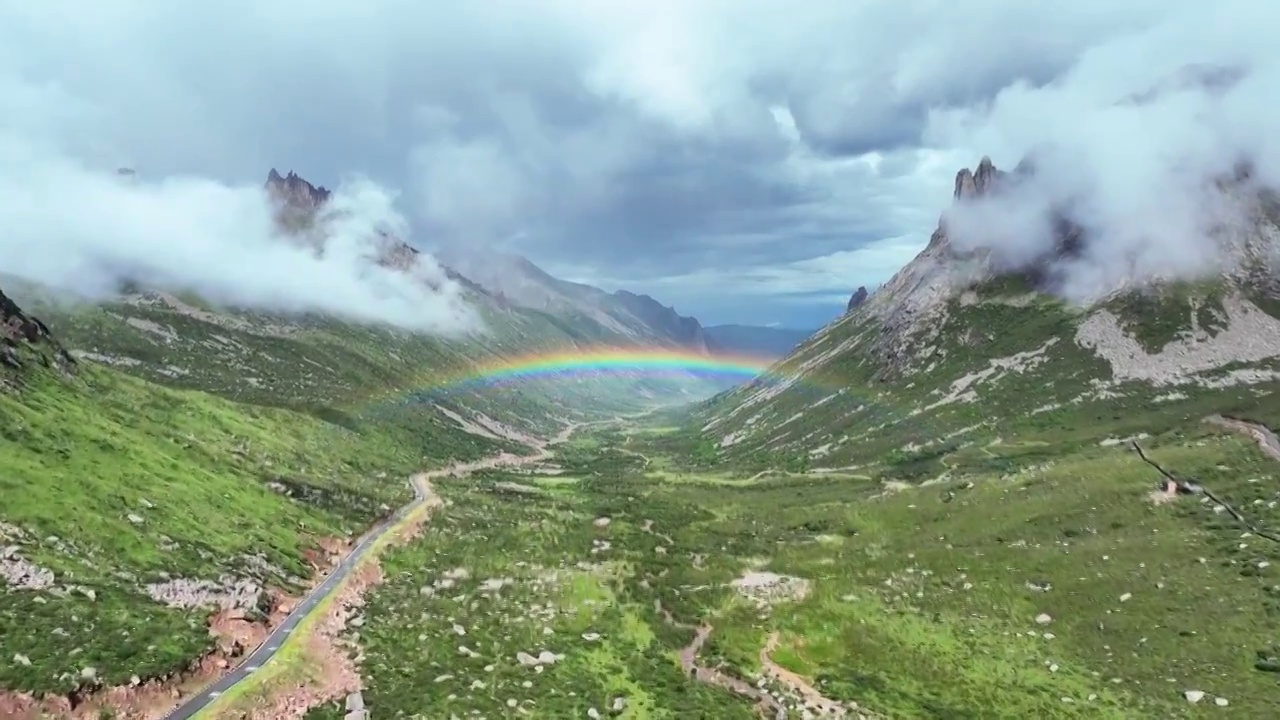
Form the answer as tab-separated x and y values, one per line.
1133	147
87	231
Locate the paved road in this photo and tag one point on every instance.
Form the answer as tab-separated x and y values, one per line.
271	645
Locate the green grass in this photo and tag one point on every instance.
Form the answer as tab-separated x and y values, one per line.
341	371
544	545
923	601
927	549
293	663
864	408
235	440
1158	317
209	484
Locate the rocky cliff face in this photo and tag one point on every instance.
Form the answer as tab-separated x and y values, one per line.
296	204
981	181
911	308
23	337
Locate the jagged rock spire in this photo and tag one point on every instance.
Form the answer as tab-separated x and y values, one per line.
978	182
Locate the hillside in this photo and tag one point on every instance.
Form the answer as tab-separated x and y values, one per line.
178	471
335	368
950	473
137	516
955	351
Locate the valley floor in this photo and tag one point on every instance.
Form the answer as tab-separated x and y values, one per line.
610	582
612	574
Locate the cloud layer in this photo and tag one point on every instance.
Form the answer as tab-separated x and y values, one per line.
745	159
86	232
1132	153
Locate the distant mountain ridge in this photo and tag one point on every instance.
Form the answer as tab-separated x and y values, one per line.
510	279
517	280
314	361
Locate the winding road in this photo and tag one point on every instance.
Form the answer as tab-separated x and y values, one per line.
423	494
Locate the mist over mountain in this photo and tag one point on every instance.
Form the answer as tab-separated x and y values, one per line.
189	234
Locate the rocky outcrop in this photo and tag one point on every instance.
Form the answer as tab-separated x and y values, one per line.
296	204
858	297
907	305
981	181
292	190
23	336
299	207
398	255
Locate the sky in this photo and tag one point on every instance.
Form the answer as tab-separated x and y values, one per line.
748	161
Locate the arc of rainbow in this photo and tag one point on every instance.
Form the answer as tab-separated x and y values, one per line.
604	362
570	363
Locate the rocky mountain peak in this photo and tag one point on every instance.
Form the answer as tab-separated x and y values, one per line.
978	182
907	304
298	206
294	190
20	331
858	297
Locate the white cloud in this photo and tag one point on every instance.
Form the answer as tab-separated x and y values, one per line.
84	230
1137	176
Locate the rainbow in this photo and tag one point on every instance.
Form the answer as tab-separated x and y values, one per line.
596	362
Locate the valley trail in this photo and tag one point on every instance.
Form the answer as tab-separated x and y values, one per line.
768	705
424	496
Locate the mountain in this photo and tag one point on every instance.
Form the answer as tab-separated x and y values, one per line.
148	534
986	472
177	471
754	340
935	490
595	312
960	348
858	297
323	364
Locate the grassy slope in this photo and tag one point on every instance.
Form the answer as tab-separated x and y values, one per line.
848	412
336	414
339	371
561	593
214	481
81	455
